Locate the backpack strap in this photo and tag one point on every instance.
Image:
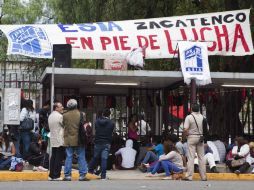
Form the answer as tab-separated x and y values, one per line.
196	124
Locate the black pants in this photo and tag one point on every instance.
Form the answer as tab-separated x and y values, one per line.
39	160
56	162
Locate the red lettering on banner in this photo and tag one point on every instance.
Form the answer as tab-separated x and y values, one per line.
183	34
195	34
221	35
71	40
87	42
123	42
119	42
239	34
202	33
153	41
169	42
104	42
115	43
142	41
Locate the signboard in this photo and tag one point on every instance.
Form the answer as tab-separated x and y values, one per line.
194	62
115	64
225	33
12	106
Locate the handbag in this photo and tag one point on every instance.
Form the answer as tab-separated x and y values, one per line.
237	163
19	167
27	124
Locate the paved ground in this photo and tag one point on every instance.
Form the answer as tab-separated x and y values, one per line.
128	185
115	175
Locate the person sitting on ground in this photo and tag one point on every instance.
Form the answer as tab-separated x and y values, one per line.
128	155
249	164
241	150
144	145
220	147
37	155
7	150
215	153
153	153
171	162
117	143
209	157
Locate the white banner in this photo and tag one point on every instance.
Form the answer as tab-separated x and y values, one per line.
225	33
194	62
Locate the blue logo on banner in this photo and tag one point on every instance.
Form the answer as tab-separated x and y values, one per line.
193	59
30	41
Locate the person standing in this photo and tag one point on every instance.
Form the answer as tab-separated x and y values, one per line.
71	122
133	131
104	128
25	136
55	122
193	127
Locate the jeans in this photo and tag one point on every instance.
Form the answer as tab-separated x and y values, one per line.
15	137
25	137
5	163
155	168
82	165
170	167
101	151
150	157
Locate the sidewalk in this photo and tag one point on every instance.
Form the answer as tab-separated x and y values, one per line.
28	175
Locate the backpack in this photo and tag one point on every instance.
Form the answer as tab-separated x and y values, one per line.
82	131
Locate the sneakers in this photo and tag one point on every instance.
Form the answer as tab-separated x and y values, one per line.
237	172
186	179
58	179
167	178
41	169
151	175
104	178
83	179
67	179
55	179
214	170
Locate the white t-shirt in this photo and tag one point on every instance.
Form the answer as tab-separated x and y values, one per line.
215	151
128	155
144	126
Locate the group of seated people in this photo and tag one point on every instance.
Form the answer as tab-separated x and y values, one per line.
37	154
166	154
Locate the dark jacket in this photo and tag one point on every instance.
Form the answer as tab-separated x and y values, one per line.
103	130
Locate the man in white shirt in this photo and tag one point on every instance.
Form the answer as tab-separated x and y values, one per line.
55	122
128	155
193	127
143	126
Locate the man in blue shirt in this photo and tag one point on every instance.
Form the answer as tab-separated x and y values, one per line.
154	153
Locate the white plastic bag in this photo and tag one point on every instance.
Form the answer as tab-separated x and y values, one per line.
136	57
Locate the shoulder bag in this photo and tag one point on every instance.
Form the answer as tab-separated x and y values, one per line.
27	124
237	163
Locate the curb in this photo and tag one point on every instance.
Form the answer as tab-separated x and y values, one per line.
43	176
35	176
